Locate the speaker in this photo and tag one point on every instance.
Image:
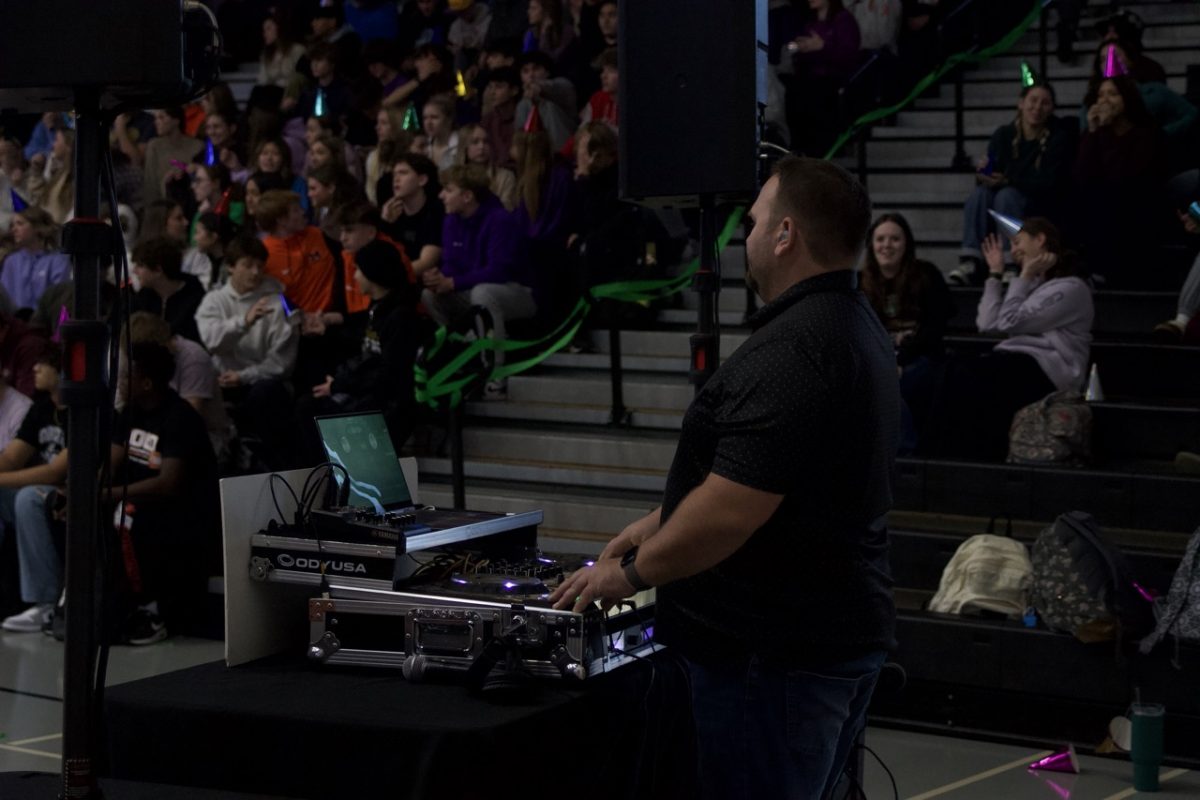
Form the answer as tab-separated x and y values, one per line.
692	94
130	53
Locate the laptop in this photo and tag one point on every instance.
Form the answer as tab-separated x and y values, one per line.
360	443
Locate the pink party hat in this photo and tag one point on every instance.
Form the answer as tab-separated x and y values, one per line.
1062	761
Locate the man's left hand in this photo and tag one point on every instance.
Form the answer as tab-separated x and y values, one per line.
605	582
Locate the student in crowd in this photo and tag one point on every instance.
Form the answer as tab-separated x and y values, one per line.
329	190
435	75
257	185
442	142
359	224
35	264
380	377
602	105
878	23
1022	174
909	294
383	64
228	150
166	290
277	62
550	31
414	215
51	181
553	97
477	149
546	207
298	255
1046	313
273	157
392	140
32	467
500	111
165	219
215	190
21	345
169	145
211	232
483	259
166	474
1174	330
329	94
824	55
1118	173
194	379
423	22
468	32
253	338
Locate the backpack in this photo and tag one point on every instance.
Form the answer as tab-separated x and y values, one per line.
1179	615
986	573
1055	430
1082	584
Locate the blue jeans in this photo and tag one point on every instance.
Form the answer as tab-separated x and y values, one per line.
24	510
977	223
764	730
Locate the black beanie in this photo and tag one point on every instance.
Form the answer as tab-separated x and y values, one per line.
380	263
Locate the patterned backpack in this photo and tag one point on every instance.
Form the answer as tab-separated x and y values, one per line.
1082	585
1055	430
1179	615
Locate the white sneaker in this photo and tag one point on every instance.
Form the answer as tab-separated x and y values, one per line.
30	620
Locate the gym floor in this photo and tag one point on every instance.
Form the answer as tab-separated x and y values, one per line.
924	766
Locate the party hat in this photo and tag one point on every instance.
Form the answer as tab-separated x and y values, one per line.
1113	65
460	85
18	204
210	154
1005	223
63	316
1062	761
319	104
411	121
1095	392
533	123
223	204
530	42
1028	76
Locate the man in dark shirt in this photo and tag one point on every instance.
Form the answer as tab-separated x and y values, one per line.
770	548
414	213
165	290
166	475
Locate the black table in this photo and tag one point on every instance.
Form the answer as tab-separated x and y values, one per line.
282	726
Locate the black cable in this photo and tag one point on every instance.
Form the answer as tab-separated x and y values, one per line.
891	777
275	476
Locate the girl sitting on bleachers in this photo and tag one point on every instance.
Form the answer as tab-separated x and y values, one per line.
1046	313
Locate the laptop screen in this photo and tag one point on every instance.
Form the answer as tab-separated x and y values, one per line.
361	444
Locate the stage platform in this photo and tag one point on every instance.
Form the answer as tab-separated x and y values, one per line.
282	726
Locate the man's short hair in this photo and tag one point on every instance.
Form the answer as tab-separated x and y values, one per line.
359	212
508	75
273	206
830	207
420	164
245	247
153	361
176	112
147	327
160	253
536	57
469	177
322	51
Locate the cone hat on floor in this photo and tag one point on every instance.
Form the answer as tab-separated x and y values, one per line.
1095	392
1009	226
533	123
1113	65
1062	761
18	203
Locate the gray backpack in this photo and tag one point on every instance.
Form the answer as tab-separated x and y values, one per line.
1179	615
1055	430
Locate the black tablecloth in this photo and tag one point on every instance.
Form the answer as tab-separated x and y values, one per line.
282	726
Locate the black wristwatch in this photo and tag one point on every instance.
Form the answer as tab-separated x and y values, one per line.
631	573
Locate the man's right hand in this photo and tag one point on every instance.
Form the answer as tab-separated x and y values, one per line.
634	535
260	309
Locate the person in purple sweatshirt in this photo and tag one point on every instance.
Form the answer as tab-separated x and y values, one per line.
824	55
35	265
1046	316
484	260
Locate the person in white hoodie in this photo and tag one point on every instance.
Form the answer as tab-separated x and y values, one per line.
250	329
1046	315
